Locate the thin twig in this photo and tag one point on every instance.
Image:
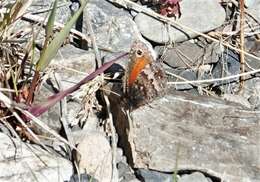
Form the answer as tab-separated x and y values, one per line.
36	19
248	13
114	146
214	80
46	10
93	40
134	6
186	81
180	54
242	45
64	115
57	26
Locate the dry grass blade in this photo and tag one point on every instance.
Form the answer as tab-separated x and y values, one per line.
25	5
13	12
45	127
12	106
8	104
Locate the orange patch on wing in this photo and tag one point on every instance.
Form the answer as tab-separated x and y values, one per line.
136	69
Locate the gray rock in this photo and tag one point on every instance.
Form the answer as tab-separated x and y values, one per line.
82	178
252	92
73	64
113	27
188	75
251	3
134	180
194	177
188	54
255	102
253	47
125	173
180	75
237	99
254	10
200	15
24	162
52	116
228	64
153	176
203	133
95	157
41	7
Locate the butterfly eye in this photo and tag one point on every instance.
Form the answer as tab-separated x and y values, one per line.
139	53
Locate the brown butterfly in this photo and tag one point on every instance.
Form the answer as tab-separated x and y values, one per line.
145	78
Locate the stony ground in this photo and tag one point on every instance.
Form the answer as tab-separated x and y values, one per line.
199	131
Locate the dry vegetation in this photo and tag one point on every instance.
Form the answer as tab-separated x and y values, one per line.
21	73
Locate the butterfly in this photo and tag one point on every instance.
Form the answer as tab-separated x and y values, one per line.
145	77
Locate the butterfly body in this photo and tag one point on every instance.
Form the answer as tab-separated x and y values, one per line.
145	78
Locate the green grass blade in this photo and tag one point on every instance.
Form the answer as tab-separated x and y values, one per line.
175	173
50	23
51	50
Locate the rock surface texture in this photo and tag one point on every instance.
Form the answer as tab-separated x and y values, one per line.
22	162
114	28
95	157
204	134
